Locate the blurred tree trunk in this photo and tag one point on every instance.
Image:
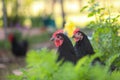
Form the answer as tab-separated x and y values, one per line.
4	17
63	13
80	2
15	9
52	8
17	6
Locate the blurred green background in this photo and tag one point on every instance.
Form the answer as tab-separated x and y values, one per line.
28	16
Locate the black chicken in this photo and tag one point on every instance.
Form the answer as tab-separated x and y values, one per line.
65	47
19	49
83	46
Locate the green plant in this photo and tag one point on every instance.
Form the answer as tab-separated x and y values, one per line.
105	36
42	65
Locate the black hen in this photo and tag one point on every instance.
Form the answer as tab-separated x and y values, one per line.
83	46
19	49
65	47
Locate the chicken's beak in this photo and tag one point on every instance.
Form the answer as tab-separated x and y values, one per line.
52	39
73	36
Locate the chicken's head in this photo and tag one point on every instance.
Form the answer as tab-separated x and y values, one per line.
58	39
77	35
10	37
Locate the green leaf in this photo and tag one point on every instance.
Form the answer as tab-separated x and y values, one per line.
100	9
83	8
90	14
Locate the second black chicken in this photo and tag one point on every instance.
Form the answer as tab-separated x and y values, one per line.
18	48
83	46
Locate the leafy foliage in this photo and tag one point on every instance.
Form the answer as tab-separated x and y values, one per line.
42	65
105	37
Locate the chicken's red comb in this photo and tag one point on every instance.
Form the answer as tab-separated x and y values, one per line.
76	30
10	37
57	32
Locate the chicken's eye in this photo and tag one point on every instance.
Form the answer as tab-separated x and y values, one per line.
78	33
58	36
